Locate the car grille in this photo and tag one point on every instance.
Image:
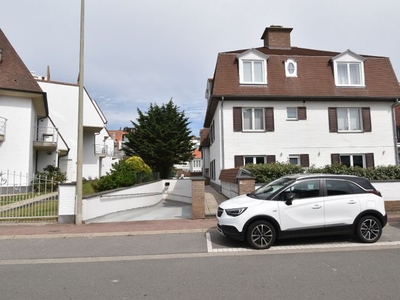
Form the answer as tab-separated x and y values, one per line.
220	211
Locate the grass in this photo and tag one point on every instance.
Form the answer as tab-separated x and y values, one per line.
87	188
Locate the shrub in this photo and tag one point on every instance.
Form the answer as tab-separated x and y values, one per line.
265	173
122	174
49	179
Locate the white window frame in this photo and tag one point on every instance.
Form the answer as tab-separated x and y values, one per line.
297	157
254	158
288	63
351	156
253	119
295	111
348	111
349	58
252	56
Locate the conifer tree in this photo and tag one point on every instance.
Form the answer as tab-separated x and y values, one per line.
161	137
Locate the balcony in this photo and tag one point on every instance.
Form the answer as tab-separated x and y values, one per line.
102	150
45	138
3	122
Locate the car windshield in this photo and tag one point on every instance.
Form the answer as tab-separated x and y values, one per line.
265	191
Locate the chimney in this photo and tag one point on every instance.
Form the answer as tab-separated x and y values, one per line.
276	37
48	74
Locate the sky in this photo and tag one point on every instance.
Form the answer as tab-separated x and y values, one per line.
149	51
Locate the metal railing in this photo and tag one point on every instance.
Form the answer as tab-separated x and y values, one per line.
26	198
45	134
104	150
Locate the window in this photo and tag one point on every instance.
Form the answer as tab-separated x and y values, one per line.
241	160
337	187
212	170
349	119
252	67
349	69
301	190
352	160
300	159
296	113
291	113
253	118
349	73
254	160
363	160
291	68
212	133
253	72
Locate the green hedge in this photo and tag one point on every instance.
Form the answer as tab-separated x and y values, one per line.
265	173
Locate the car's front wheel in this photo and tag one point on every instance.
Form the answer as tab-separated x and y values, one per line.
261	235
368	229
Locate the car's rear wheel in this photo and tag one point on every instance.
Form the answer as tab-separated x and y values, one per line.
261	235
368	229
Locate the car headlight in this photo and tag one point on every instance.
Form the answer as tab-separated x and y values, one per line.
234	212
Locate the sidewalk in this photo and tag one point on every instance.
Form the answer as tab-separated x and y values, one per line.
212	199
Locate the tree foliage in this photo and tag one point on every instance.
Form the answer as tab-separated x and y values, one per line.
161	137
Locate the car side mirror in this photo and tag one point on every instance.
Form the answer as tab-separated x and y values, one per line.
289	198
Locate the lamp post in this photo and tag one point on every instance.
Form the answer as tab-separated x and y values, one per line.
78	218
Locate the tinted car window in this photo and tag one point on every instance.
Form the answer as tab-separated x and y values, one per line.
355	189
301	190
337	187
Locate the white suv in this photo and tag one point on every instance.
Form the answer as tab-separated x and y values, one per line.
304	205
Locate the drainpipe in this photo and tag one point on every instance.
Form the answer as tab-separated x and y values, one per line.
222	134
395	131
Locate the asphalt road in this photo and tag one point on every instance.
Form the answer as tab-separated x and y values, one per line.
199	266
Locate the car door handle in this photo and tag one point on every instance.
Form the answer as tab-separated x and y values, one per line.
316	206
351	202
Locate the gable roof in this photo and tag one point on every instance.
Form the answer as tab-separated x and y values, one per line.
16	79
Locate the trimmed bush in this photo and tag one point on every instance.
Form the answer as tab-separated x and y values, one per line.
265	173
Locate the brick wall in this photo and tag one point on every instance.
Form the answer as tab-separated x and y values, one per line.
198	198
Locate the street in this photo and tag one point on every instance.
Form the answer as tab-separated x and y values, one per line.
199	266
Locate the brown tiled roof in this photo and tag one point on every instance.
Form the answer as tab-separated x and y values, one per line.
204	137
315	76
15	78
14	75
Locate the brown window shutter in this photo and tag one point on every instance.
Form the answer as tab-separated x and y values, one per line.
238	161
237	119
335	159
271	159
304	160
332	116
301	113
269	119
366	118
369	160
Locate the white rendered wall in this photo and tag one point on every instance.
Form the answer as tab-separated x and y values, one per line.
16	151
309	136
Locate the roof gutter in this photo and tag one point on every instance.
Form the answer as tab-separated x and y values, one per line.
396	152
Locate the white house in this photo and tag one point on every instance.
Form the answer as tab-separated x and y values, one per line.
280	103
39	123
98	147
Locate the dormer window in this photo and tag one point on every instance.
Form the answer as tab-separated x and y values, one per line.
349	69
252	67
291	68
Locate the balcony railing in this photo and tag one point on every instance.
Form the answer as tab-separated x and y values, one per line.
45	138
3	123
103	150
